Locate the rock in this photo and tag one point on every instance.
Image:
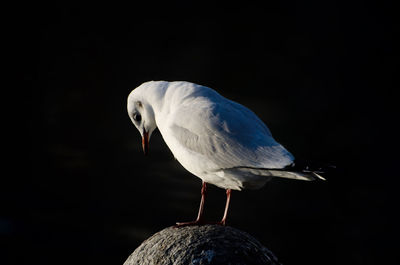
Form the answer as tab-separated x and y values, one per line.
207	244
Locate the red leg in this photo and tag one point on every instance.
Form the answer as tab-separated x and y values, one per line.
228	199
199	219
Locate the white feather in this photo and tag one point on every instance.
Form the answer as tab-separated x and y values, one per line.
214	138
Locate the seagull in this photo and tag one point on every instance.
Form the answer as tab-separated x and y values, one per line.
216	139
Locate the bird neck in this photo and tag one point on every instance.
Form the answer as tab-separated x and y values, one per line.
155	96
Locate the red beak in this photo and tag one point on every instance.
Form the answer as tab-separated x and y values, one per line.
145	142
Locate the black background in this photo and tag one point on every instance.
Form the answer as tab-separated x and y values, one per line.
320	74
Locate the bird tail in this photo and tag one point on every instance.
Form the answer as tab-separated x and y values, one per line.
305	174
303	171
292	171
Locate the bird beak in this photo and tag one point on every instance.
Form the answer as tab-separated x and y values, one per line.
145	142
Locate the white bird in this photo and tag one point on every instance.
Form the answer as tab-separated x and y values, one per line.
218	140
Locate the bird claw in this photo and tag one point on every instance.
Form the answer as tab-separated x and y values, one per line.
198	222
192	223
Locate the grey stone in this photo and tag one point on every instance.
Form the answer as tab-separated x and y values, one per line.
207	244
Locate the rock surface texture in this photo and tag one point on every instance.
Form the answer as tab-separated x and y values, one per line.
208	244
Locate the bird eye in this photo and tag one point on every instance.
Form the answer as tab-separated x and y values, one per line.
137	117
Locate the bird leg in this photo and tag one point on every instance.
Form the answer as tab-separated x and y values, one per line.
228	199
199	220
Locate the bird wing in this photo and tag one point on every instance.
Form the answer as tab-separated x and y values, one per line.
226	133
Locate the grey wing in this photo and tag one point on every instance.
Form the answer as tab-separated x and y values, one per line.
228	134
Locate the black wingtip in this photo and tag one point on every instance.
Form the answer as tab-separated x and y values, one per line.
314	169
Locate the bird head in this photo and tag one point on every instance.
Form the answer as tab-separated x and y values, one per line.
142	116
